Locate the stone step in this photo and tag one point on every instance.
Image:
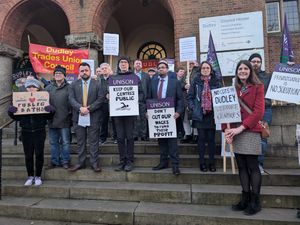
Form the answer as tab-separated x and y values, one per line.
18	221
137	213
146	160
271	197
150	147
275	177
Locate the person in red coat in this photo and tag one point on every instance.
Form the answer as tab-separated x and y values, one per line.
245	137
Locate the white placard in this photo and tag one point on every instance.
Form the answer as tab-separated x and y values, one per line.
84	121
123	96
226	105
161	121
187	49
285	84
232	32
91	62
229	60
110	44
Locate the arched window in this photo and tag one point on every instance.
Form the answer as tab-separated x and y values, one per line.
151	50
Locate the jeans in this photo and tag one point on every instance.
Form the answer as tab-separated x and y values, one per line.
59	139
264	142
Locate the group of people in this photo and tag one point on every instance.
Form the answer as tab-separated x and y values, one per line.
89	97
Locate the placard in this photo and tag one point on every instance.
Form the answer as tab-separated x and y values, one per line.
110	44
232	32
30	102
226	105
229	60
161	121
285	84
187	49
123	95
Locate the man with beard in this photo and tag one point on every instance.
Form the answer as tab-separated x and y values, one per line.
163	86
86	98
256	62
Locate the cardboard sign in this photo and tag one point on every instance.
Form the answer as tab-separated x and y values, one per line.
110	44
123	95
187	49
30	102
45	58
161	120
285	84
226	105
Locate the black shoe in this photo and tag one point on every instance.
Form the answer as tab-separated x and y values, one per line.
212	167
160	167
115	141
243	203
176	170
253	206
186	139
145	139
76	167
128	167
195	139
203	167
96	167
120	167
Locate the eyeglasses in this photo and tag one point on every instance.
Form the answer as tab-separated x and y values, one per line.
161	67
256	61
58	73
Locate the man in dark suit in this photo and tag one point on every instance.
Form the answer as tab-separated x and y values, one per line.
171	88
140	125
86	98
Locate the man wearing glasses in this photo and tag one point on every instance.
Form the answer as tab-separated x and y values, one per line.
256	62
163	86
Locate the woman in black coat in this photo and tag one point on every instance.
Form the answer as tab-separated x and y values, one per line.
200	102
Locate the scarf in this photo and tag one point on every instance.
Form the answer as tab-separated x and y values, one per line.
206	99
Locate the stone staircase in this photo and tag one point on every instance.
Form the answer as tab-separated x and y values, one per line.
143	196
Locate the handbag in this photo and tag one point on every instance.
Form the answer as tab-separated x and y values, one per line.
265	129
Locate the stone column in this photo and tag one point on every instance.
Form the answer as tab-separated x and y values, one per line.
85	41
7	56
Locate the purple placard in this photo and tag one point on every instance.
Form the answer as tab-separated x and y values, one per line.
124	80
283	68
160	103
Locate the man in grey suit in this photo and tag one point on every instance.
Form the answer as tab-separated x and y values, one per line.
86	98
140	125
164	86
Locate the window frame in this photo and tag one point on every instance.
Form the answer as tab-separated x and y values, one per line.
279	17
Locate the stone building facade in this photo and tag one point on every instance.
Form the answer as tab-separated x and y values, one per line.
81	24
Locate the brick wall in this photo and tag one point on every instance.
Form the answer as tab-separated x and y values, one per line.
93	16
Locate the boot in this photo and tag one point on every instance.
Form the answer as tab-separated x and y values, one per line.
243	204
186	139
254	205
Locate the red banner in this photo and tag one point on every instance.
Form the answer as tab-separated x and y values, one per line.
45	58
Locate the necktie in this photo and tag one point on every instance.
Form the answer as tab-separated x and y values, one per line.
84	98
159	93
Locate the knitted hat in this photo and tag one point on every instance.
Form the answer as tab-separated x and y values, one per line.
255	55
163	62
61	69
124	58
32	83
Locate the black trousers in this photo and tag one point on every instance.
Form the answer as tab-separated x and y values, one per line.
206	136
168	147
33	143
104	122
124	127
